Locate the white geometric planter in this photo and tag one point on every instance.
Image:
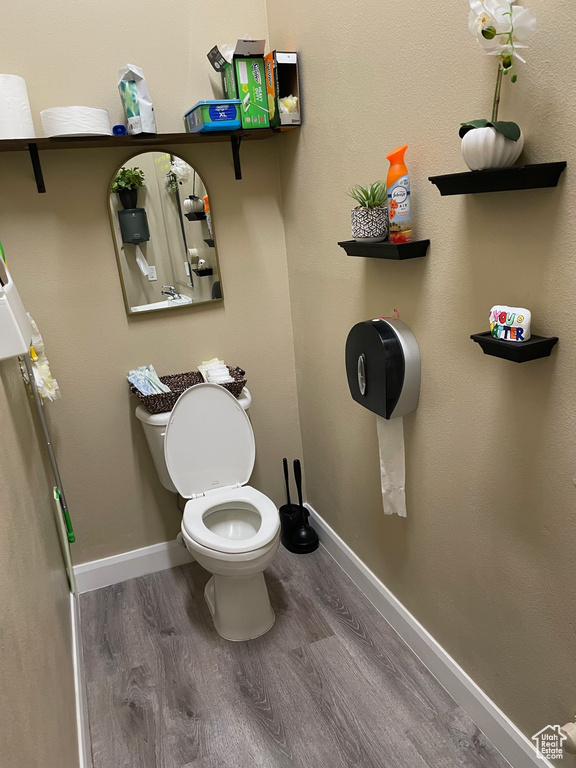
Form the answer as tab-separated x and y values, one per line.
484	148
370	225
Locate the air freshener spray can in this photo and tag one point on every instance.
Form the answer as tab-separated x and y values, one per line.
398	183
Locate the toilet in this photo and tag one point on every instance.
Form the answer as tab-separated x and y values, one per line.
230	528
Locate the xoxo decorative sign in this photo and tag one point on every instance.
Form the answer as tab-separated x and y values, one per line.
510	323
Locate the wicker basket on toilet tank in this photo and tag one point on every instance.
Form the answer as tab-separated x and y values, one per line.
179	383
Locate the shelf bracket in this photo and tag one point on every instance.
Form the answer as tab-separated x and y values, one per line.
37	168
235	142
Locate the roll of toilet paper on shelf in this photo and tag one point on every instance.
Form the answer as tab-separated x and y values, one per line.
392	465
75	121
15	115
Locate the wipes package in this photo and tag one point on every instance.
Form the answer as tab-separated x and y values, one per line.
136	100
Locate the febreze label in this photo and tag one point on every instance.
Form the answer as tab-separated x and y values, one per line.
399	210
510	323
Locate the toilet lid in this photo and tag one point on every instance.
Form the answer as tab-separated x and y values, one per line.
209	443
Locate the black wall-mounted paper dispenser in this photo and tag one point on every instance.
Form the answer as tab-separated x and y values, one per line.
134	225
383	367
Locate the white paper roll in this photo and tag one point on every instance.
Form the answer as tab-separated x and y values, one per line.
392	465
75	121
15	115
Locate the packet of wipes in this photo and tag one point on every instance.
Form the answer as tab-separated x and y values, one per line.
136	100
146	380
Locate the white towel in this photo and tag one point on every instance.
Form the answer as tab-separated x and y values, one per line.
215	371
142	263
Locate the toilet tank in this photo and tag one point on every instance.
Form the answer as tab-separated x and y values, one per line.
154	426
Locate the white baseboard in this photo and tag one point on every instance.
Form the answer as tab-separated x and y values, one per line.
84	748
130	565
499	729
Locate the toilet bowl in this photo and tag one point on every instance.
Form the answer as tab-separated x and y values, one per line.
231	529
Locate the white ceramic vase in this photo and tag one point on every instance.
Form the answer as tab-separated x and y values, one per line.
484	148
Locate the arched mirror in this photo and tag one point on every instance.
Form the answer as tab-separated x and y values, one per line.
163	234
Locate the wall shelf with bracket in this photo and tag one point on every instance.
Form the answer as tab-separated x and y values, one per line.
209	242
203	272
385	250
36	146
195	216
500	179
518	352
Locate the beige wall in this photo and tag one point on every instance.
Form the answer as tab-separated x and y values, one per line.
485	560
62	257
37	709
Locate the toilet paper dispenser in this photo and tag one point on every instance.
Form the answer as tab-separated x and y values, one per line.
383	367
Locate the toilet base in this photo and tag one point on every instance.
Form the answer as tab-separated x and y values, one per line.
240	606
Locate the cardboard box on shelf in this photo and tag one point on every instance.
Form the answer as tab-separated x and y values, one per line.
244	79
282	81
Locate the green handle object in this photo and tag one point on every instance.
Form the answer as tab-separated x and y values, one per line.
67	521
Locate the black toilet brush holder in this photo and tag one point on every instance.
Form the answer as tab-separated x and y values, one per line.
296	533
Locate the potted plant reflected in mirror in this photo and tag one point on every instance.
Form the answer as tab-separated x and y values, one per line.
501	28
126	184
370	217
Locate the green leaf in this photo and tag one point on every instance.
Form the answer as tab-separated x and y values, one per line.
470	125
128	178
372	196
509	130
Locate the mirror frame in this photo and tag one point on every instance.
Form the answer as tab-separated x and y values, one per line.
149	312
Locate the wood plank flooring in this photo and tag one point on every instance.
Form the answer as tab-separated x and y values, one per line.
330	686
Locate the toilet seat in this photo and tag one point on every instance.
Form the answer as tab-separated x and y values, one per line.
209	443
210	451
245	497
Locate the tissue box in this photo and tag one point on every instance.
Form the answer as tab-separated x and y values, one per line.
244	79
281	81
214	115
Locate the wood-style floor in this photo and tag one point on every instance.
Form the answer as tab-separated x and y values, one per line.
330	686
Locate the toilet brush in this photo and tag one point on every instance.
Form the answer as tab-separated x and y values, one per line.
286	481
296	534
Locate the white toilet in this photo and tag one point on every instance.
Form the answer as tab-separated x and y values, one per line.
231	529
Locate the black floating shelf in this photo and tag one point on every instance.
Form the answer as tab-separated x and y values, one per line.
209	241
203	272
517	351
385	250
195	216
500	179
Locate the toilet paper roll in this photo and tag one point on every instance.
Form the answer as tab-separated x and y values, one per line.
392	465
15	115
75	121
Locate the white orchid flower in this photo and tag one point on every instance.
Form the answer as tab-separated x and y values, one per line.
501	27
524	23
180	169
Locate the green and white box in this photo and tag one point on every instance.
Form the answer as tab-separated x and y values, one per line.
244	79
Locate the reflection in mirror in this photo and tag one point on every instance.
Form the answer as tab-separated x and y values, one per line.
163	234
